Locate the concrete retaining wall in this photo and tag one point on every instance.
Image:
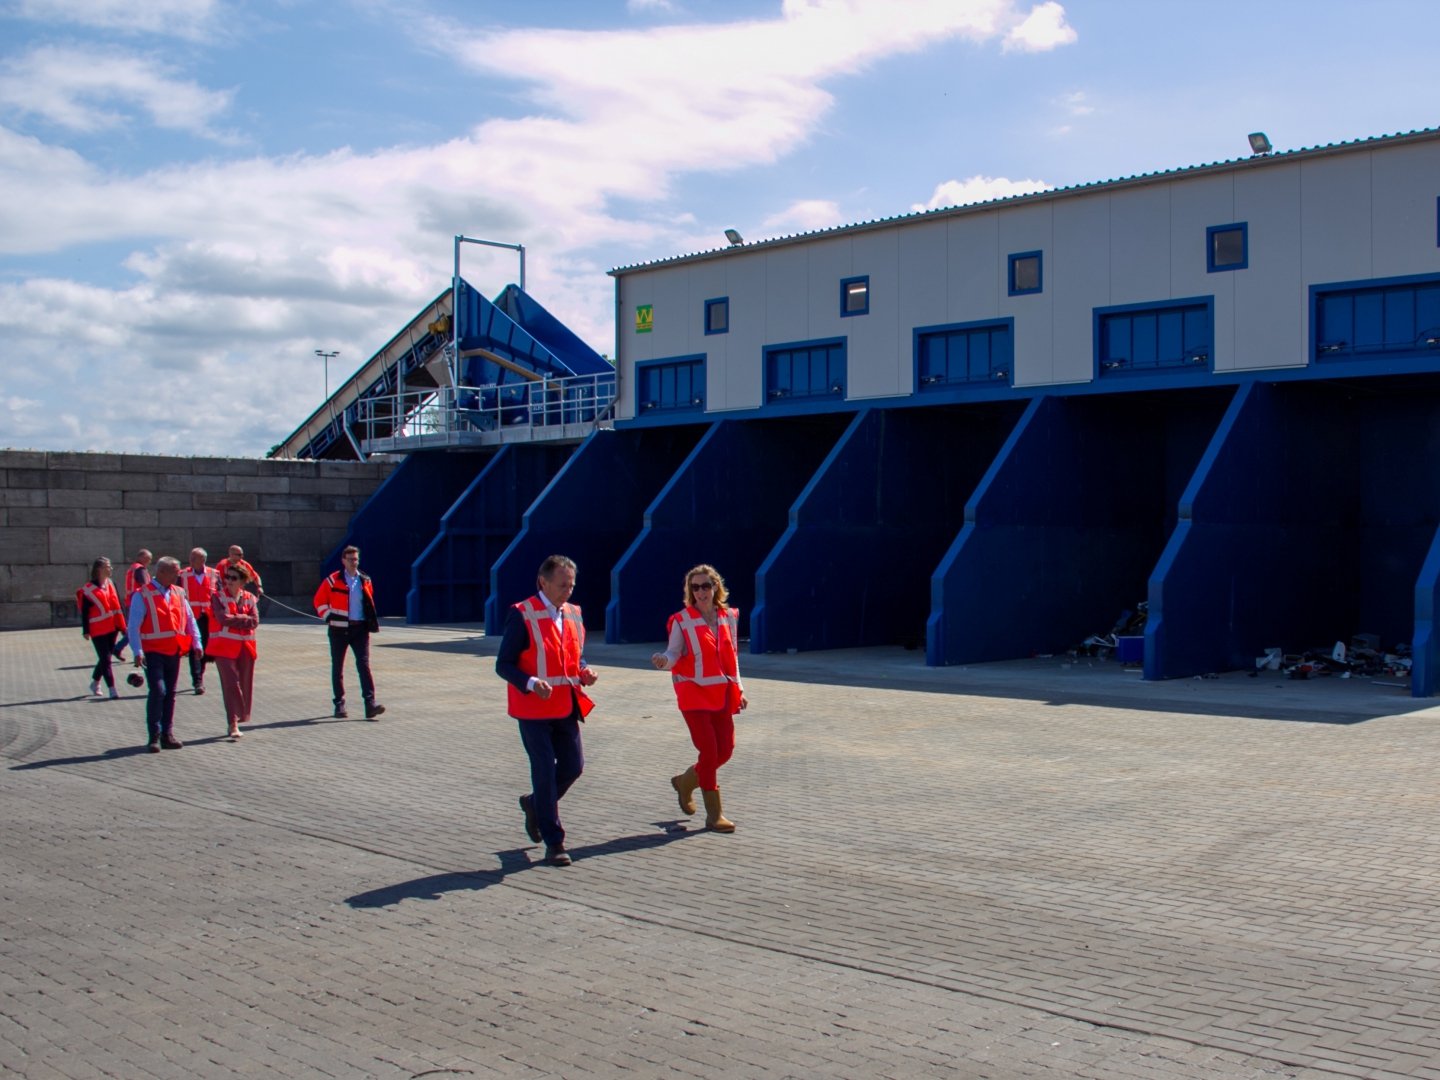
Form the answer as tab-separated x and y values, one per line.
58	511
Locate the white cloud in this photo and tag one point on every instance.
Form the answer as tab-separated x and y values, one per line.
807	214
1076	104
192	19
249	265
1042	30
978	189
638	6
72	87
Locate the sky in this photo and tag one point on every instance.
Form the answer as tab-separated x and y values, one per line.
195	195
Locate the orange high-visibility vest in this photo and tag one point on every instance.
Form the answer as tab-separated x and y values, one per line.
106	615
164	628
131	588
228	641
332	599
200	588
553	657
707	678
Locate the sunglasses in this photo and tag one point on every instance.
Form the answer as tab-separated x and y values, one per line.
698	587
232	577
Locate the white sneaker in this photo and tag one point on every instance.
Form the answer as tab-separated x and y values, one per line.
114	694
95	688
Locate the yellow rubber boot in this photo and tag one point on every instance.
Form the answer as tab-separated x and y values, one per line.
685	785
715	820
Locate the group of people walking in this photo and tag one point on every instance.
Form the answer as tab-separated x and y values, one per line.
542	658
206	613
201	613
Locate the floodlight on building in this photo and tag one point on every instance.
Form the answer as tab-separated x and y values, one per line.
1259	144
734	237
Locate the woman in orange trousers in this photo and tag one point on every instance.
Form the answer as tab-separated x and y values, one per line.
703	662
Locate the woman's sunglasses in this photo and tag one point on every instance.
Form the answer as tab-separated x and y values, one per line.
698	586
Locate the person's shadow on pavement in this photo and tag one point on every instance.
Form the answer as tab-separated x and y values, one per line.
512	861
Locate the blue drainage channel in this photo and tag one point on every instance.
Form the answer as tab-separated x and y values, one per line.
590	512
1062	531
853	565
401	518
726	505
450	581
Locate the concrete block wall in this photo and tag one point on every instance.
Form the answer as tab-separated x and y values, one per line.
59	511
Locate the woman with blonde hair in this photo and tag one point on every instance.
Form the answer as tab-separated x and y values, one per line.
234	614
702	657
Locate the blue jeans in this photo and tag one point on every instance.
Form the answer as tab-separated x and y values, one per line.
162	672
556	762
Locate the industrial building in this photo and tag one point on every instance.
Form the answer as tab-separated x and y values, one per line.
986	428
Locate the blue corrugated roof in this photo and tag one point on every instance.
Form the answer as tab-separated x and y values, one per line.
1050	193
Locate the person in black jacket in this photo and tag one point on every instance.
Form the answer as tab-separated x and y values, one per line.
346	601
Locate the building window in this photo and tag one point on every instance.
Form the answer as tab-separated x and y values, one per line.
810	369
1397	319
717	316
1026	275
670	384
963	353
1227	247
1168	336
855	296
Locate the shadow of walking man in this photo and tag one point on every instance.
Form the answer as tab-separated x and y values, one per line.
512	861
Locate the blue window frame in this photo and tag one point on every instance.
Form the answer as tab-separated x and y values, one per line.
1227	247
717	316
1026	273
963	353
854	296
1168	335
805	369
1361	320
666	385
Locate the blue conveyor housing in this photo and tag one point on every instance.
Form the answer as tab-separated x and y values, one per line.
400	519
1061	533
726	505
591	512
450	581
853	565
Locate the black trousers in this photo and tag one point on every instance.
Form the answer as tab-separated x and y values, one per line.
104	648
162	672
357	639
197	663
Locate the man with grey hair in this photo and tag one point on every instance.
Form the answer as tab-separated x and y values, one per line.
164	630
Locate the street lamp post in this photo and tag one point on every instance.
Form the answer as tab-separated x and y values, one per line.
326	356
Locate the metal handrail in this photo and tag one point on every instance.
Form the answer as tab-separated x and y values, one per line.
544	403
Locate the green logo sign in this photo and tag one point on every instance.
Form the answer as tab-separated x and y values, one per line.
644	318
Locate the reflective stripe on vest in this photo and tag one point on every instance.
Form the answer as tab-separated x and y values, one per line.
130	588
105	613
226	640
151	630
690	625
534	617
199	603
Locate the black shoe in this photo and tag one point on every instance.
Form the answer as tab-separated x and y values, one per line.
154	747
118	654
373	711
340	713
555	855
170	742
532	823
199	688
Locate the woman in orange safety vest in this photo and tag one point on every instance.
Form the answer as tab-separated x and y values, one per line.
234	614
702	658
101	621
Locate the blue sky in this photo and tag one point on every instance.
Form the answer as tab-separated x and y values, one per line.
196	194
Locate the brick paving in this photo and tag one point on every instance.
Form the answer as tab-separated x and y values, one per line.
1008	870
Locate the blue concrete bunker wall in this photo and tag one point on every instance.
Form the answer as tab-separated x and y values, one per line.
450	581
1309	520
590	512
1062	532
853	566
727	506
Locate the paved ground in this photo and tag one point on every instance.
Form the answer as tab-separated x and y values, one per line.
1008	870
